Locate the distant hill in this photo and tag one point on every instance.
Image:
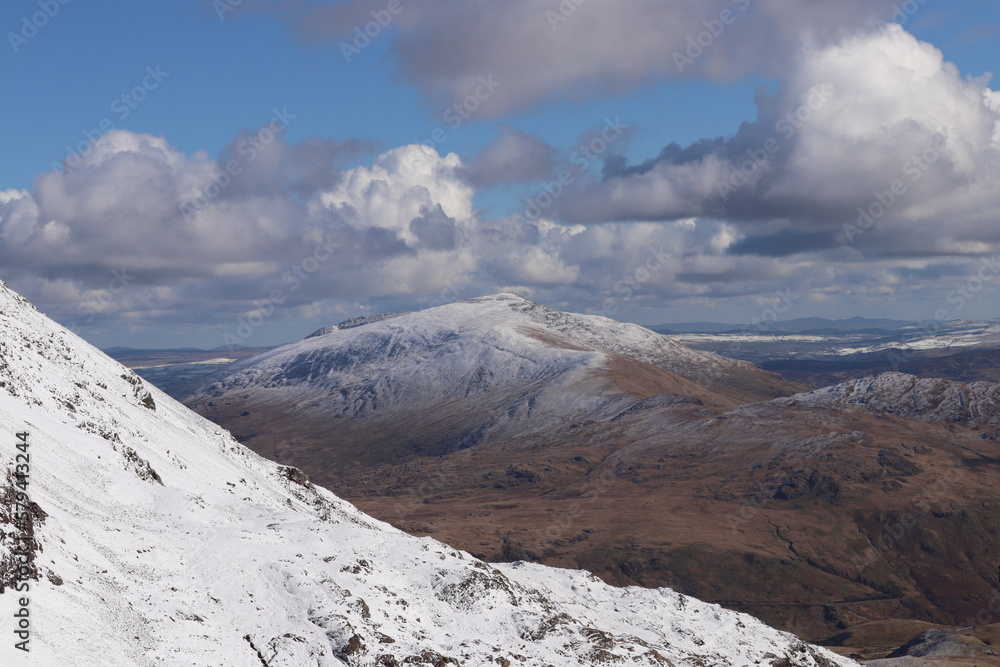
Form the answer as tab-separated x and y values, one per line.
797	325
695	327
135	357
457	375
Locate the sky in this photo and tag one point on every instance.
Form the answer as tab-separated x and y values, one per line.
209	173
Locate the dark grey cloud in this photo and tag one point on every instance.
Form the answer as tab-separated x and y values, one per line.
513	157
304	168
933	272
784	243
548	50
435	229
738	275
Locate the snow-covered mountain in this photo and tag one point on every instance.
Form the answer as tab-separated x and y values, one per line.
159	540
452	376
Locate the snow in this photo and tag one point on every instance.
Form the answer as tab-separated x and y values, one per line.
931	343
224	558
953	335
504	322
748	338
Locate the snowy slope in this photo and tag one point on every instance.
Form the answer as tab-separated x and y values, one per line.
499	363
165	542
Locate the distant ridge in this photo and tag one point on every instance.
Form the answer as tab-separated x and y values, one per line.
354	322
797	325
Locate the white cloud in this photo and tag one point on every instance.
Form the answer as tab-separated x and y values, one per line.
402	185
854	120
389	228
116	238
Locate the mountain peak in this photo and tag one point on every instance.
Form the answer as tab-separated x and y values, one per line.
498	366
501	297
9	297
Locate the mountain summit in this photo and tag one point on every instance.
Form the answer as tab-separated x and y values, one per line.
157	539
453	376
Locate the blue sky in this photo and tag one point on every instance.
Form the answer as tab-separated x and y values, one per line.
223	77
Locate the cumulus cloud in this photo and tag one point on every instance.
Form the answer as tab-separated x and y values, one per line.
182	232
140	233
546	49
108	245
876	142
